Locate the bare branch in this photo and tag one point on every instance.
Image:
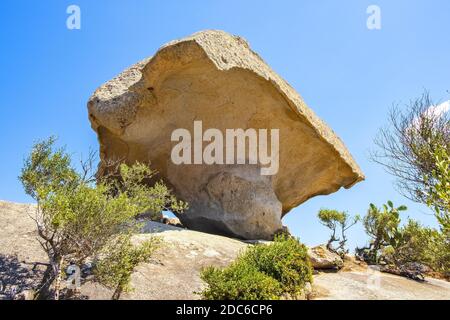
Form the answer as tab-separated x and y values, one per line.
406	144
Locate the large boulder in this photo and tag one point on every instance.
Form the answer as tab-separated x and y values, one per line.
215	78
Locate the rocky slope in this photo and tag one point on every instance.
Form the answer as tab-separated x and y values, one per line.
174	271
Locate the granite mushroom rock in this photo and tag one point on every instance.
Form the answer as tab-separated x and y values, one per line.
215	78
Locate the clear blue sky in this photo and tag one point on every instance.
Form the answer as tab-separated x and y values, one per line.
347	74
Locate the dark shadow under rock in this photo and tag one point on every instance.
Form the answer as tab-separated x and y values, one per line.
17	277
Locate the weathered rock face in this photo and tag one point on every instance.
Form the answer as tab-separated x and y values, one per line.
322	258
215	78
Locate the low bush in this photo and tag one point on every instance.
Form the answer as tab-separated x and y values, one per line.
381	224
417	244
240	281
408	249
263	272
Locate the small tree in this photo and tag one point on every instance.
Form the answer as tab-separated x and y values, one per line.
77	216
406	147
333	219
382	226
415	148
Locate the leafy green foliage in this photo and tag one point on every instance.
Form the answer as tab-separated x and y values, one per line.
46	168
381	224
118	261
406	248
76	218
280	269
415	243
333	219
240	281
133	181
285	260
438	191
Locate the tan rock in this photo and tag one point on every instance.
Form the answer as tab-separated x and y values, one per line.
371	284
216	78
322	258
172	221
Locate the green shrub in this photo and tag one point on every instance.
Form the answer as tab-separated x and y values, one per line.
428	246
240	281
280	269
286	260
381	224
405	249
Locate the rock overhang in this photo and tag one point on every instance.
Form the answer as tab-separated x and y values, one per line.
215	77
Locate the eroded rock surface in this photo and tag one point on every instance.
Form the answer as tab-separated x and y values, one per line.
322	258
372	284
216	78
174	271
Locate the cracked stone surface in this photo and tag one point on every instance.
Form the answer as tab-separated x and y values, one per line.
215	77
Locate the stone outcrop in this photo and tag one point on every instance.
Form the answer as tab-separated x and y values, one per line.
173	272
322	258
216	78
